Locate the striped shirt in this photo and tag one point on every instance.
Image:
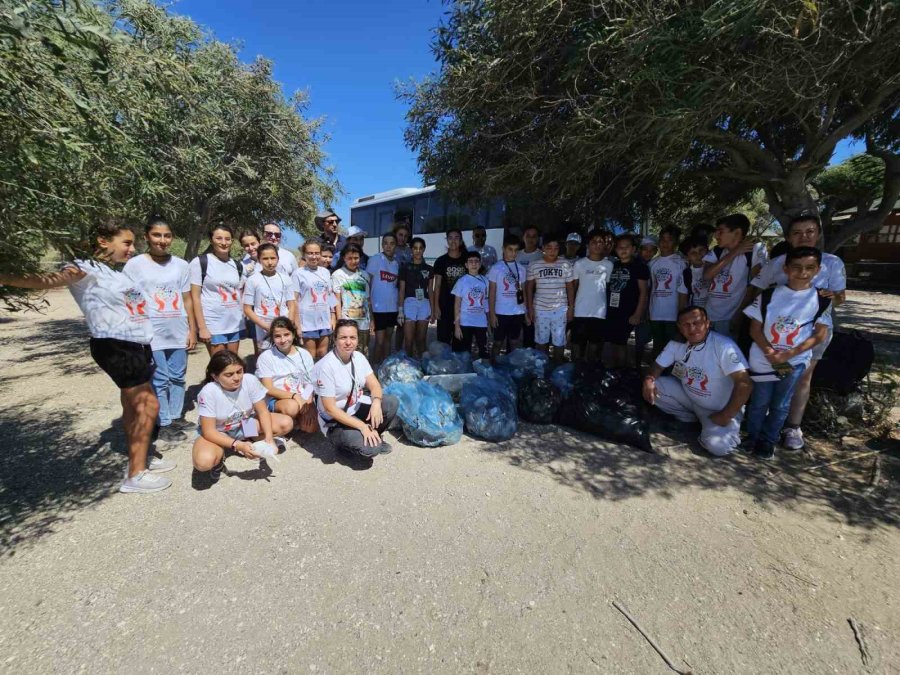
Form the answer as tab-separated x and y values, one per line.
550	284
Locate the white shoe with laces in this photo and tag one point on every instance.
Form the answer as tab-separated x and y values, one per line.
145	482
160	464
792	439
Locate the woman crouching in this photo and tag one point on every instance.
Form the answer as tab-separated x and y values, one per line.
285	370
233	414
351	421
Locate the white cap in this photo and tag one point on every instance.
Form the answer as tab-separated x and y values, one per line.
648	241
574	236
354	231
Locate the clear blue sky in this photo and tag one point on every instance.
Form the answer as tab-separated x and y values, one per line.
347	54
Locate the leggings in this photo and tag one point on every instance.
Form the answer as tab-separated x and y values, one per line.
480	335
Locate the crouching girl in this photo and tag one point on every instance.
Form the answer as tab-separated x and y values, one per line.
285	370
233	414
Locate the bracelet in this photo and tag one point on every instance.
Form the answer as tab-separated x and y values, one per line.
376	398
233	443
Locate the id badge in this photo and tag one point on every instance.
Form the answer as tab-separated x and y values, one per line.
250	427
520	297
420	294
614	299
679	370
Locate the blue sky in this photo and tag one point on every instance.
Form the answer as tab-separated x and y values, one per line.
347	54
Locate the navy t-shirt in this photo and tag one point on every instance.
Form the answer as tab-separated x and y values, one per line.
624	280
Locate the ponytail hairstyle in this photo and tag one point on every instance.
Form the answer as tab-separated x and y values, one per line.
286	324
220	361
107	230
153	220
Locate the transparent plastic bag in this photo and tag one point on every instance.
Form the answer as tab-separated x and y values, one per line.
454	363
522	364
427	413
399	368
489	408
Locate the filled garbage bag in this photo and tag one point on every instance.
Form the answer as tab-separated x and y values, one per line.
539	400
452	383
485	369
521	364
489	408
563	378
399	368
427	413
613	419
440	360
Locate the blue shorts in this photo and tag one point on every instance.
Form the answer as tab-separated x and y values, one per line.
417	310
270	404
226	338
316	334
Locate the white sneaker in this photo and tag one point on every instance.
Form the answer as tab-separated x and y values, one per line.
145	482
792	439
160	465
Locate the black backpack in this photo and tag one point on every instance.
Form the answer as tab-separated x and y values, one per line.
204	266
845	363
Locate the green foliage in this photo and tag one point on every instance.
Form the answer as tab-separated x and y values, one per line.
114	111
602	105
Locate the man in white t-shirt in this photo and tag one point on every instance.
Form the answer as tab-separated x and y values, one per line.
384	271
729	267
287	262
591	275
831	282
707	370
665	271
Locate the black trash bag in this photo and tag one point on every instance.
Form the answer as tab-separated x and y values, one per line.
615	418
539	400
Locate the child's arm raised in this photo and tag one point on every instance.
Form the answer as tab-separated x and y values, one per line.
44	281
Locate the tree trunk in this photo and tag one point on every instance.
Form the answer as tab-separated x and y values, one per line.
195	238
790	197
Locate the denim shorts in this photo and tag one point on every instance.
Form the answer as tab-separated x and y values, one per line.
226	338
270	404
316	334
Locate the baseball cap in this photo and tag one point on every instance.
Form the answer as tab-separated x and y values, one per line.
355	231
649	241
574	236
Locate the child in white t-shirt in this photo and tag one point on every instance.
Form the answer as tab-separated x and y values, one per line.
267	295
693	289
351	288
233	414
285	370
315	315
216	293
470	307
550	296
665	270
786	324
506	301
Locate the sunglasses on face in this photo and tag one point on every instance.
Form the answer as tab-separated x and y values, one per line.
331	222
272	235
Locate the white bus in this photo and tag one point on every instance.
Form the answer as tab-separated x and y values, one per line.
429	215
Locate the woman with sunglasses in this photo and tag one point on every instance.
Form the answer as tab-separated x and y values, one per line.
287	262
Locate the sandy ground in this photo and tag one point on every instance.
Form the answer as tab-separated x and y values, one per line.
476	558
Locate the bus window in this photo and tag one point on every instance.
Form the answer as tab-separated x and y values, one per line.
429	215
466	217
364	218
384	219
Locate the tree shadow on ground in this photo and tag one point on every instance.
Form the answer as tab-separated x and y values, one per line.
615	472
60	344
49	471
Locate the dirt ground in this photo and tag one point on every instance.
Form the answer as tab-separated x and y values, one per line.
480	557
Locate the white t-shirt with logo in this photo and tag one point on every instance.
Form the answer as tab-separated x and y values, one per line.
315	298
353	290
269	297
385	274
832	274
164	285
788	322
525	259
220	295
473	294
287	262
664	275
340	381
113	304
229	408
699	290
550	279
728	287
592	276
704	370
289	372
506	276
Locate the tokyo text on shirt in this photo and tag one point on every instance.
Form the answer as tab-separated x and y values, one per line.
289	372
164	284
220	294
593	278
385	274
315	298
509	278
269	297
790	319
230	408
832	275
550	284
113	304
473	294
704	369
728	287
692	284
353	290
342	382
664	275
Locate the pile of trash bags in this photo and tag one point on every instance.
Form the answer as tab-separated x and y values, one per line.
399	368
488	403
427	414
521	364
441	360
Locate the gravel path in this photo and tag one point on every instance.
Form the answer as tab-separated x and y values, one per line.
476	558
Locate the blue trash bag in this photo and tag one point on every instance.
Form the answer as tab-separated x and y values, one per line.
563	378
450	363
523	364
427	413
485	369
399	368
489	408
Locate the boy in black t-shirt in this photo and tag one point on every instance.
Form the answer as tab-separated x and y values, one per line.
626	299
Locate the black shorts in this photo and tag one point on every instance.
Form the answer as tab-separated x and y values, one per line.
129	364
616	330
587	329
384	320
509	327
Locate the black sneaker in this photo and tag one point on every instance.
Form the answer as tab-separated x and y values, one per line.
183	425
764	450
748	445
170	435
384	448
